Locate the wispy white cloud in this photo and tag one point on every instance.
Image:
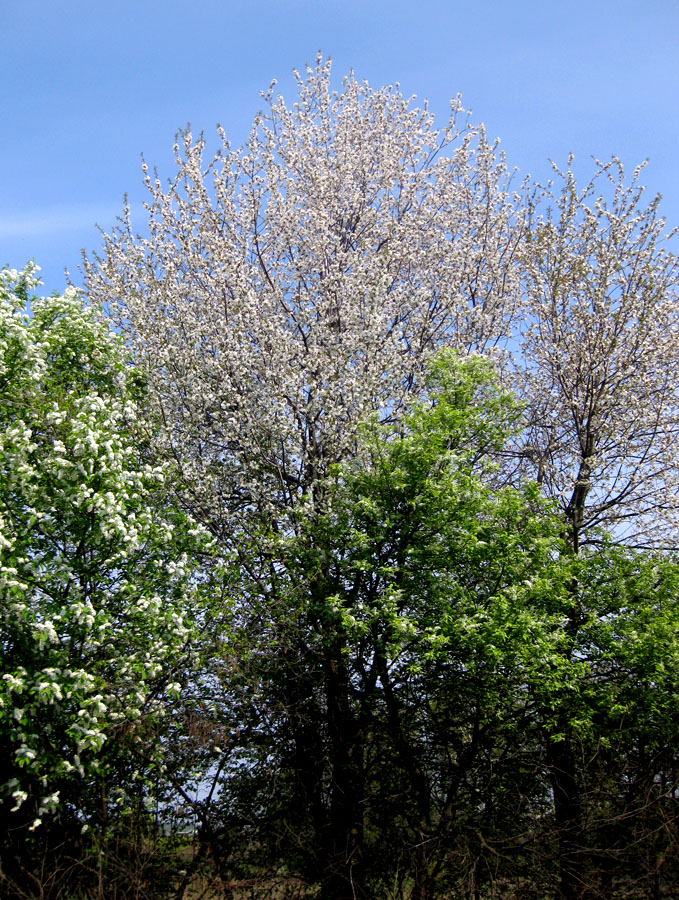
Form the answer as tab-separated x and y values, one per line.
56	220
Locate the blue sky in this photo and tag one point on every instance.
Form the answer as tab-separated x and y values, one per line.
86	87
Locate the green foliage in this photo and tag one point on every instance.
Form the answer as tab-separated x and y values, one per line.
443	553
428	636
385	678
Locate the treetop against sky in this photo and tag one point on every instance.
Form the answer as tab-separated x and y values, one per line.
88	88
286	289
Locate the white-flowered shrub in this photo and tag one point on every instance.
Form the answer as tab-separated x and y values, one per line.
97	570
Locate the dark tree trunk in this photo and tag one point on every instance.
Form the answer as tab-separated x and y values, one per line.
343	846
562	764
568	816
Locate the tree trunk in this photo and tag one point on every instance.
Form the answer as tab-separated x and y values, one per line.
563	772
567	815
343	847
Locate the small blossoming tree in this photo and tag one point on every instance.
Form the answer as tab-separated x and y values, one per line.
97	573
598	357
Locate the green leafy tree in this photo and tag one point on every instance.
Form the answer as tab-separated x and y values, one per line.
447	576
373	693
616	693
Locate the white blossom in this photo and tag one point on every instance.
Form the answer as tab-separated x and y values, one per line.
289	288
598	357
72	483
